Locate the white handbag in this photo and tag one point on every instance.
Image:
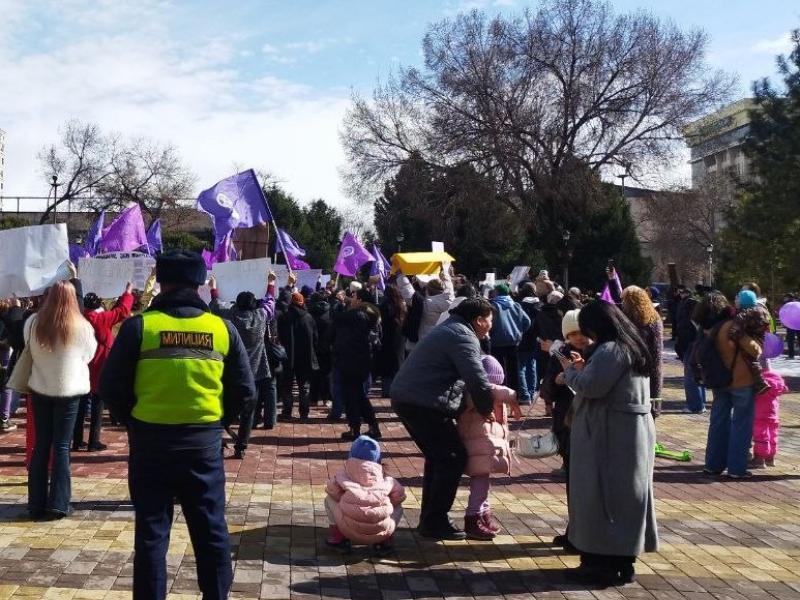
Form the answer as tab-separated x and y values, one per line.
533	445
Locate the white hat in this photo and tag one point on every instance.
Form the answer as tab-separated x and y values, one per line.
569	324
355	286
554	297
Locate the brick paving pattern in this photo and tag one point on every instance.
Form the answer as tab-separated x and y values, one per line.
720	540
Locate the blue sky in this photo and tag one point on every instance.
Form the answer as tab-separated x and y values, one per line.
264	83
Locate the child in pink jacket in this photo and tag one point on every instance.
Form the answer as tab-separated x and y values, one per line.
487	442
363	505
766	423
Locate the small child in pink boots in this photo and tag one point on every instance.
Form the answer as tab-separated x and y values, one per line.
766	422
487	442
363	505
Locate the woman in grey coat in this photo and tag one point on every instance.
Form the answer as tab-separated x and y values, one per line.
611	512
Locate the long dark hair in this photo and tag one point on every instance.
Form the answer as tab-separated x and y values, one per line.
395	305
604	322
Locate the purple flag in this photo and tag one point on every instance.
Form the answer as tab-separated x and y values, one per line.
380	266
95	235
154	244
352	255
208	257
236	201
77	252
289	244
606	296
126	233
294	263
225	251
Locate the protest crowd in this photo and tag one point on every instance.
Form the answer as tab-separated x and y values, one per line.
188	364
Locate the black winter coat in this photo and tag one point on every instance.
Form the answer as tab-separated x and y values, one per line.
529	343
324	322
298	335
393	344
353	338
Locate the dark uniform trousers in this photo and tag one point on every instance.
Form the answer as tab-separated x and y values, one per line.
196	478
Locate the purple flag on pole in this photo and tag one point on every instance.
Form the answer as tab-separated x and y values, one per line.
288	243
352	255
126	233
380	266
224	250
294	263
234	202
154	237
94	235
77	252
208	257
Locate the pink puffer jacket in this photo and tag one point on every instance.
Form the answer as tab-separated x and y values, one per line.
487	441
365	501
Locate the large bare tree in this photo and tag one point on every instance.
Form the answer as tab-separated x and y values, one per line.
678	225
102	172
537	102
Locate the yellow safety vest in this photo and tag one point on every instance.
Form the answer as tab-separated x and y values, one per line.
179	373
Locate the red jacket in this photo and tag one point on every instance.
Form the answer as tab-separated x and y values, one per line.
103	322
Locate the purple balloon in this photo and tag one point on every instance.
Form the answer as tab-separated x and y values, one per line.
790	315
773	345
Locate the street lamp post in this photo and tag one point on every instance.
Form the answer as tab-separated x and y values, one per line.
55	185
710	250
566	235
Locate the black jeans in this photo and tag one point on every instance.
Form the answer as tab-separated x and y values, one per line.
791	339
508	357
197	479
287	379
266	406
445	459
356	402
95	420
320	386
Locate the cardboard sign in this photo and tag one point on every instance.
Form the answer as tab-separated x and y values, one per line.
308	277
243	276
108	276
32	259
517	275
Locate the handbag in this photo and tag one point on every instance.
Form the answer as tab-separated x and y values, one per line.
541	445
276	353
21	375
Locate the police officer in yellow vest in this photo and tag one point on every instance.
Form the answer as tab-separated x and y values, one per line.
175	375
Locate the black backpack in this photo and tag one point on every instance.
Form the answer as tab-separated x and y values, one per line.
707	364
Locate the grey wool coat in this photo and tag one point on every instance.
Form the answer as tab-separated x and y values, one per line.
612	442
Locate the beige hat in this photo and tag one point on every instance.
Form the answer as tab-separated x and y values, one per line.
569	323
554	297
355	286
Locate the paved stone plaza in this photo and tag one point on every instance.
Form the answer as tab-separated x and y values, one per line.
719	539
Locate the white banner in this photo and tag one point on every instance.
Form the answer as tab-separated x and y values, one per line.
517	275
309	278
32	258
107	277
242	276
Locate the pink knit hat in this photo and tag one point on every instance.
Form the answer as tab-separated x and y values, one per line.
494	370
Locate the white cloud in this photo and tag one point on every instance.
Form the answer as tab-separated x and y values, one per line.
143	82
774	46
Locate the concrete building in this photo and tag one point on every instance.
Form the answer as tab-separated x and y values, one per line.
2	159
715	142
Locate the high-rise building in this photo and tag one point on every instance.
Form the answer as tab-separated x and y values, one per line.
2	159
715	142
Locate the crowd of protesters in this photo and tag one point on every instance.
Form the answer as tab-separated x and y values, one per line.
457	359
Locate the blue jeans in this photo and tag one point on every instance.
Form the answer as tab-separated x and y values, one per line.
197	479
54	419
528	381
730	430
266	407
695	393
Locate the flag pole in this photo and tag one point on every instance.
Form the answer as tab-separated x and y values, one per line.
277	234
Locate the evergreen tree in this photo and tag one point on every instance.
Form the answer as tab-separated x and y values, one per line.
763	226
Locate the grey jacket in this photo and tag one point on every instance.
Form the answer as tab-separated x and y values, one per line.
611	507
252	327
443	363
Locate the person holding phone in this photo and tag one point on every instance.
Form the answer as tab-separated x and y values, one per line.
611	508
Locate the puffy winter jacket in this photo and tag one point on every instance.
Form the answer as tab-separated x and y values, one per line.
103	322
510	322
487	440
365	500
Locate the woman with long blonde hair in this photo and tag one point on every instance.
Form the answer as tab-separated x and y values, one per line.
639	308
62	344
